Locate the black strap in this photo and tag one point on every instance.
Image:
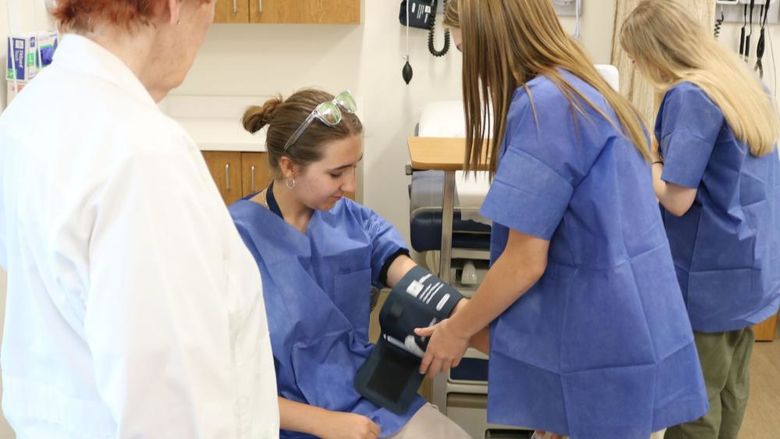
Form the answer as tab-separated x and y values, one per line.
273	206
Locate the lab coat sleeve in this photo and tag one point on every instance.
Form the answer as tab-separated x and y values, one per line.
536	173
3	209
689	126
3	258
385	240
156	321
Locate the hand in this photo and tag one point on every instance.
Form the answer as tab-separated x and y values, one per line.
445	348
341	425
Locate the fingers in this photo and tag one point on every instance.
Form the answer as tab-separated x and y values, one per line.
436	367
425	332
426	362
375	430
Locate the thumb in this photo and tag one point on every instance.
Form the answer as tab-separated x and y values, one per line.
425	332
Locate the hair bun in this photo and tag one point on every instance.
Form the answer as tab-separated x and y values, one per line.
256	117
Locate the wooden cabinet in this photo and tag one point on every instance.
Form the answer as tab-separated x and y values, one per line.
765	331
232	11
255	173
288	11
225	168
238	174
305	11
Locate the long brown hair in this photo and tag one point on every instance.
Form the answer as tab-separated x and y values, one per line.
284	116
670	47
505	45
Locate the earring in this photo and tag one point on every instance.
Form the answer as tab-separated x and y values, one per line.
178	22
290	183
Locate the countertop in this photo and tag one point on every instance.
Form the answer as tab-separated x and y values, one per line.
214	122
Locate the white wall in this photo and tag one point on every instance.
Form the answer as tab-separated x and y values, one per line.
367	59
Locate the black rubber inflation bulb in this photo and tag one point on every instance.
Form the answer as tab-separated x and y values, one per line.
406	72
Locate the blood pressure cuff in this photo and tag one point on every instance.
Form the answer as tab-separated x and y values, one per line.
390	376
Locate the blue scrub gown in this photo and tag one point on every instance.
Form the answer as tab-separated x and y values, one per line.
726	248
317	295
600	347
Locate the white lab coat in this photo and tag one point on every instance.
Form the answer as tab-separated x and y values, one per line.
133	309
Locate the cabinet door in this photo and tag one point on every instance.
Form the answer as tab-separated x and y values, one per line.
305	11
255	172
225	168
232	11
765	331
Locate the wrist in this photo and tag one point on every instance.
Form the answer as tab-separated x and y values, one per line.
658	162
325	423
460	306
456	324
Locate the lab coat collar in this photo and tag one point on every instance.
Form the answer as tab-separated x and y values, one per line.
83	55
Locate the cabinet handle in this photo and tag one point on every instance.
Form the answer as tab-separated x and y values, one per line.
252	180
227	176
235	7
260	6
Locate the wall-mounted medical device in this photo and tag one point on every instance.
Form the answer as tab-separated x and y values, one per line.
736	11
754	15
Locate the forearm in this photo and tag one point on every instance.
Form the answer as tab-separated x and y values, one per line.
503	285
302	418
659	186
481	340
675	199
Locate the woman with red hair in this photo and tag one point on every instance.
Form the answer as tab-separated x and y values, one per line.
134	309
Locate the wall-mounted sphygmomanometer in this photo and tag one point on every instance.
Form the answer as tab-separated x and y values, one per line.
422	15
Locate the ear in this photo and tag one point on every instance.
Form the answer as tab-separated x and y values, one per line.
174	9
288	167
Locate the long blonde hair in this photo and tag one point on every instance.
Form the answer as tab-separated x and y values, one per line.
670	47
505	45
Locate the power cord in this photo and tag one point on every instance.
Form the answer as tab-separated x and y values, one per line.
761	40
431	35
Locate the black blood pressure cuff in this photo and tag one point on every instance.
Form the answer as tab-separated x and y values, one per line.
390	376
